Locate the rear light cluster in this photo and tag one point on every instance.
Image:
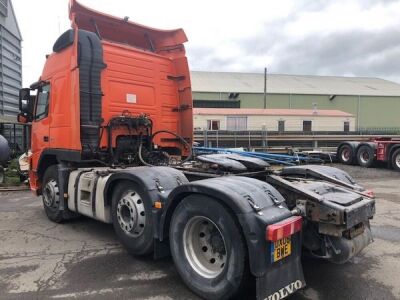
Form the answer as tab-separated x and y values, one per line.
369	193
285	228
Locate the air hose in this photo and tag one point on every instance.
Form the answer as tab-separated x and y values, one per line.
169	132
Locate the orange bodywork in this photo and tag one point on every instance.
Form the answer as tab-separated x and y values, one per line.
146	72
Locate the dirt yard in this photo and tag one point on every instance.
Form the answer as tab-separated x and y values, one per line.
82	259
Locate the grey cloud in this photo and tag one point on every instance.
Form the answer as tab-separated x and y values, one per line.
360	52
374	53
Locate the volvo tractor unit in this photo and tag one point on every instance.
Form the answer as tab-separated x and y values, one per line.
112	139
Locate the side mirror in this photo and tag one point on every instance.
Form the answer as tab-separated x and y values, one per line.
25	105
22	119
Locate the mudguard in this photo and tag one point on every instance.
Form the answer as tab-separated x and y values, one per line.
283	278
235	162
256	204
158	182
327	173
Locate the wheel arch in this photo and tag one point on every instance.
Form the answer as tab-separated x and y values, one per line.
50	157
45	161
157	180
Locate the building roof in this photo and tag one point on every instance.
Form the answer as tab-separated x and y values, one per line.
228	82
270	112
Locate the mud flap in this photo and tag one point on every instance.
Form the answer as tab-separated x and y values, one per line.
284	277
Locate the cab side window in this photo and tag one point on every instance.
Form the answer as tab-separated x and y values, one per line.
42	103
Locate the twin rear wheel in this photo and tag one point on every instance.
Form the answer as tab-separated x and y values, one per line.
365	156
206	242
208	249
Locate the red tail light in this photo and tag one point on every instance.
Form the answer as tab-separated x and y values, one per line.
284	228
369	193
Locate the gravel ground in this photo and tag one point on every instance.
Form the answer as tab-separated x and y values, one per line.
83	259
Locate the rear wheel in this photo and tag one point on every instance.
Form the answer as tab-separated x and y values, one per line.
51	197
395	160
346	154
208	248
365	156
131	216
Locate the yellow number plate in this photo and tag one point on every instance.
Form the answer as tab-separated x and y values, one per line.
281	249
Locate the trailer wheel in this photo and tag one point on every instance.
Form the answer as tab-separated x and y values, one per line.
346	154
51	196
131	217
365	156
208	248
395	160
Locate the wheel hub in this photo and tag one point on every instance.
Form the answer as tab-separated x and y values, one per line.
51	194
204	247
130	214
345	155
364	157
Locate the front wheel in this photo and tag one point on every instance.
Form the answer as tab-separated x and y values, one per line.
208	248
396	160
51	197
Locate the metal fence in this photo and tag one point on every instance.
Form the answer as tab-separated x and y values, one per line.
17	135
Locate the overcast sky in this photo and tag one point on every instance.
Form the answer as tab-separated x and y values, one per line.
315	37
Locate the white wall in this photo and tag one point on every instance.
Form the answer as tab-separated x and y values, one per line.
292	123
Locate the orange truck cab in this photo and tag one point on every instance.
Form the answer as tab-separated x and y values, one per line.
105	79
111	119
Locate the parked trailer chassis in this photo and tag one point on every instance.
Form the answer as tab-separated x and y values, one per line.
365	154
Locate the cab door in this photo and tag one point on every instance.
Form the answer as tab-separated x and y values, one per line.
41	123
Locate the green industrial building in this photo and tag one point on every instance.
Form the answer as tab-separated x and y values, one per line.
374	102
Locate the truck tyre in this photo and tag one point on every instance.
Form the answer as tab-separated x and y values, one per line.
365	156
131	217
208	248
395	160
346	154
51	196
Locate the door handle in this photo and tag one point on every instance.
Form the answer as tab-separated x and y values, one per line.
46	138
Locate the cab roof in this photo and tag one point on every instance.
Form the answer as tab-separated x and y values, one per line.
123	31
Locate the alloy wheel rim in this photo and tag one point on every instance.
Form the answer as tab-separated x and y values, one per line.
51	194
131	214
204	247
346	155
